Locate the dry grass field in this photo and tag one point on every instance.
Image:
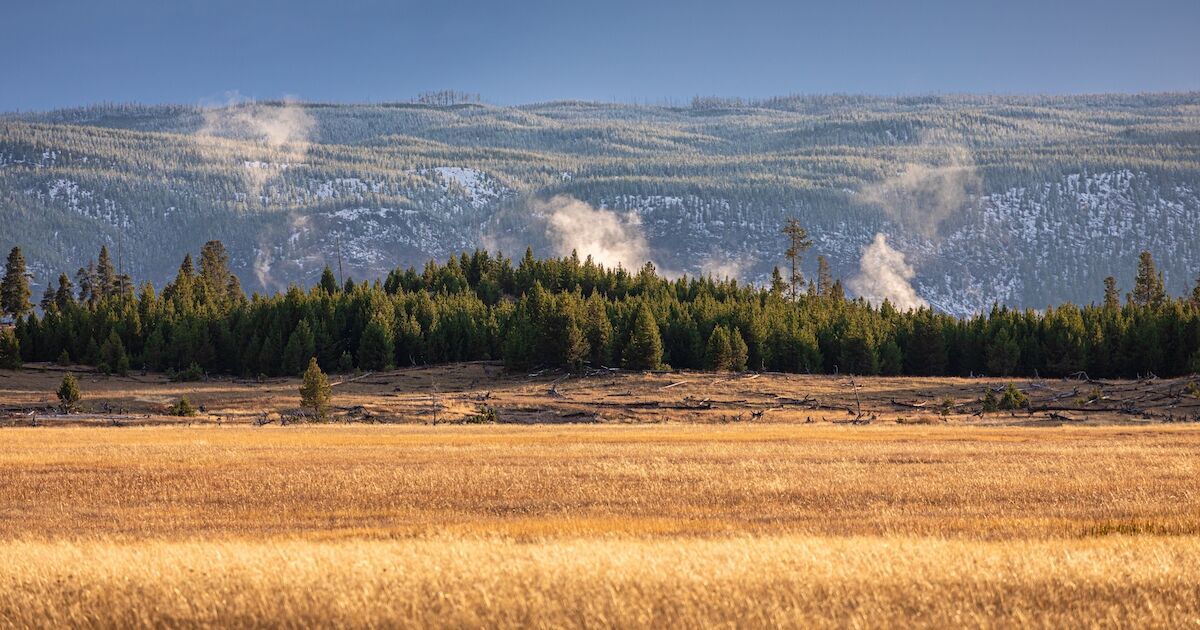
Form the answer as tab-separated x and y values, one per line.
672	511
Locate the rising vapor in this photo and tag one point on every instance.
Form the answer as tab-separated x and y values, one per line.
921	195
610	238
883	274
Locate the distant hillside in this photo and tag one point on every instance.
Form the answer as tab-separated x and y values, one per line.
1023	200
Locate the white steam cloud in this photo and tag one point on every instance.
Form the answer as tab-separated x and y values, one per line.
610	238
883	274
723	267
265	139
283	125
921	196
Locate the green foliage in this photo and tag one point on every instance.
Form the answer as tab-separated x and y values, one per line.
183	407
486	415
68	394
301	347
316	395
990	402
946	407
10	350
644	351
113	358
376	349
718	355
564	313
14	288
193	373
1013	398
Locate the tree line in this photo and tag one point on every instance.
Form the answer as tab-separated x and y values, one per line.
572	313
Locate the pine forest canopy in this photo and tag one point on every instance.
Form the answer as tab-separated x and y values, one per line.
568	313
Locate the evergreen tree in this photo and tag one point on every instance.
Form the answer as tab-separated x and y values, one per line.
824	277
214	273
113	359
10	350
598	330
1112	296
106	275
778	286
575	346
328	283
47	298
64	297
798	242
718	354
316	394
1003	353
376	348
891	360
68	394
739	353
1148	285
14	289
644	350
301	347
1196	293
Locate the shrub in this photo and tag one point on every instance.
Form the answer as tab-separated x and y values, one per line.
64	358
68	394
487	415
1013	398
182	408
192	374
990	402
946	407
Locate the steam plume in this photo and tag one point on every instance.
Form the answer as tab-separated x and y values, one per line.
921	196
609	238
884	275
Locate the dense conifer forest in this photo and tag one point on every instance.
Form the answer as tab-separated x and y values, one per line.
573	314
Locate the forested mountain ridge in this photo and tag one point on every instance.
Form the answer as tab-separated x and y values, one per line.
1023	200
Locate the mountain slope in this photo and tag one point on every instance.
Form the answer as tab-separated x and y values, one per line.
1025	200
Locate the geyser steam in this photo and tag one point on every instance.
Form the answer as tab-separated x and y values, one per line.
884	275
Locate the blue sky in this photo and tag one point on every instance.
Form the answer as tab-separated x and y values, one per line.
56	53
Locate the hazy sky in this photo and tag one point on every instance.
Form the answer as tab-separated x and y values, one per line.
56	53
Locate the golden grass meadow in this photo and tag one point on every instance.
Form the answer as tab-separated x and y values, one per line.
586	526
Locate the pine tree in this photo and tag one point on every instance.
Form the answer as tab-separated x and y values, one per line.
14	289
106	276
644	350
778	286
301	347
376	347
598	330
113	359
1003	354
47	302
315	393
575	346
214	272
328	283
1148	285
68	394
798	242
739	353
824	277
1196	293
1112	296
891	360
718	354
10	350
64	296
